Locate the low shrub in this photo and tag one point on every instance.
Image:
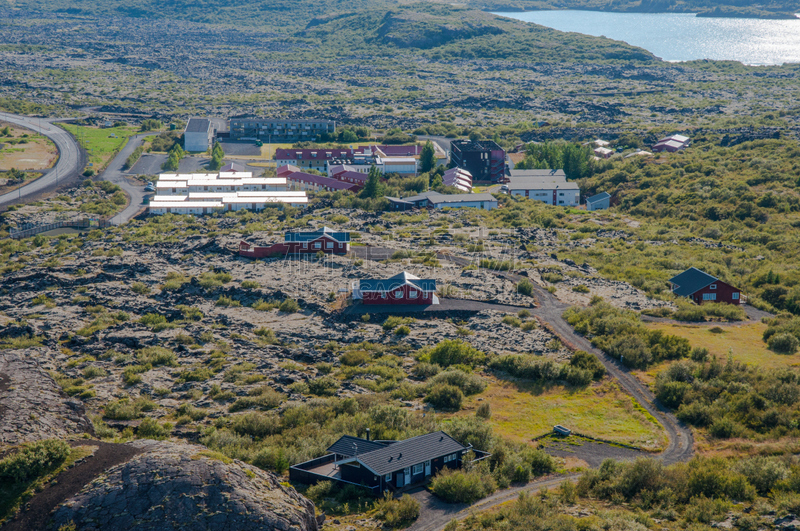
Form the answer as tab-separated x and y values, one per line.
33	460
460	486
445	396
325	386
397	512
783	343
289	306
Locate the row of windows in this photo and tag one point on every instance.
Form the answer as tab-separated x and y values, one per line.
451	457
713	296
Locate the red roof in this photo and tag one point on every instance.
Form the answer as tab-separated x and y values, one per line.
351	176
286	170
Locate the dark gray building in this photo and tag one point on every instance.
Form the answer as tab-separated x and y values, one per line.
484	159
279	130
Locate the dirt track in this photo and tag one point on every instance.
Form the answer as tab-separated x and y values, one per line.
36	513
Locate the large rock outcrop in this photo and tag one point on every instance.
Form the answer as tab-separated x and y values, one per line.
32	405
182	486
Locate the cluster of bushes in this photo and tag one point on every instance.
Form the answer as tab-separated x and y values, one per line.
33	460
732	399
622	335
582	369
697	313
397	512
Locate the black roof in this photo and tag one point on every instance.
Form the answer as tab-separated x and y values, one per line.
690	281
350	446
198	125
307	236
400	279
410	452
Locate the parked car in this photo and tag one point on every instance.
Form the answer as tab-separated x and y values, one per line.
149	188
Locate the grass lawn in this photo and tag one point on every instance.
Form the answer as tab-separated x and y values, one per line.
522	411
26	150
99	144
268	150
743	342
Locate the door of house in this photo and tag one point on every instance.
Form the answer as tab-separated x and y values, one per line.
408	475
427	468
400	480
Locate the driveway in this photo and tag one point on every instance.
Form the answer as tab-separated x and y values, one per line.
133	188
70	158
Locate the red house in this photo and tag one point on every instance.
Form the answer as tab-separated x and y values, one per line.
701	287
403	288
299	243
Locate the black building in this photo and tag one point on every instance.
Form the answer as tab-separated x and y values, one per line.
484	159
384	465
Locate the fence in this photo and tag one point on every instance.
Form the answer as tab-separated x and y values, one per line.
29	230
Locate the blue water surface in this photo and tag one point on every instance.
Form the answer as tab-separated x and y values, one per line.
682	36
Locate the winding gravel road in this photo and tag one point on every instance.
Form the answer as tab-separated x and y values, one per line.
70	158
435	514
135	190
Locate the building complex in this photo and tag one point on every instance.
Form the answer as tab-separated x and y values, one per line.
204	193
278	130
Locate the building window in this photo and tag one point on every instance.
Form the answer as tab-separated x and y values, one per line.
413	294
418	469
709	296
305	245
388	477
713	286
318	245
383	295
451	457
735	296
329	245
398	294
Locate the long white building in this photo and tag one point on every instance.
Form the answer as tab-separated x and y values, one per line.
548	186
204	193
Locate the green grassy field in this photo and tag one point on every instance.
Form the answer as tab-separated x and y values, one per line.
99	144
744	343
522	411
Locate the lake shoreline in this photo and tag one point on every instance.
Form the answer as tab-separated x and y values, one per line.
717	13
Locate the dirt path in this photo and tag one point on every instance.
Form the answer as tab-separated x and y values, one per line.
36	513
434	514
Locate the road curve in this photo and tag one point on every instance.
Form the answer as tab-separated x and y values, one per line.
434	514
69	164
114	173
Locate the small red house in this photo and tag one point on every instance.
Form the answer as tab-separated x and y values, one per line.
701	287
299	243
403	288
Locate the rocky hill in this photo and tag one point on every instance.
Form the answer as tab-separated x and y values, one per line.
183	486
32	405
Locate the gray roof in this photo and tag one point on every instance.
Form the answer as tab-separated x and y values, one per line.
543	182
410	452
350	446
539	173
388	284
436	198
307	236
598	197
198	125
690	281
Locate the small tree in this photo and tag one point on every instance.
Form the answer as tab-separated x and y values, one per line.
217	154
427	159
374	187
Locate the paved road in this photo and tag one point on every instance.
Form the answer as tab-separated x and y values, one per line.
443	141
70	161
134	189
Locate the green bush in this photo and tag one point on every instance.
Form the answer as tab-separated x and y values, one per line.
152	319
470	384
455	352
525	287
289	306
33	460
783	343
446	397
156	356
397	512
459	486
151	429
512	321
325	386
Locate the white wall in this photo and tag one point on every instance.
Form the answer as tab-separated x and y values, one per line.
196	141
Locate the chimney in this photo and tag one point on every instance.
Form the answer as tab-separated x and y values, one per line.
367	433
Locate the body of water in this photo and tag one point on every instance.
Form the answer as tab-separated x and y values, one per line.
683	36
